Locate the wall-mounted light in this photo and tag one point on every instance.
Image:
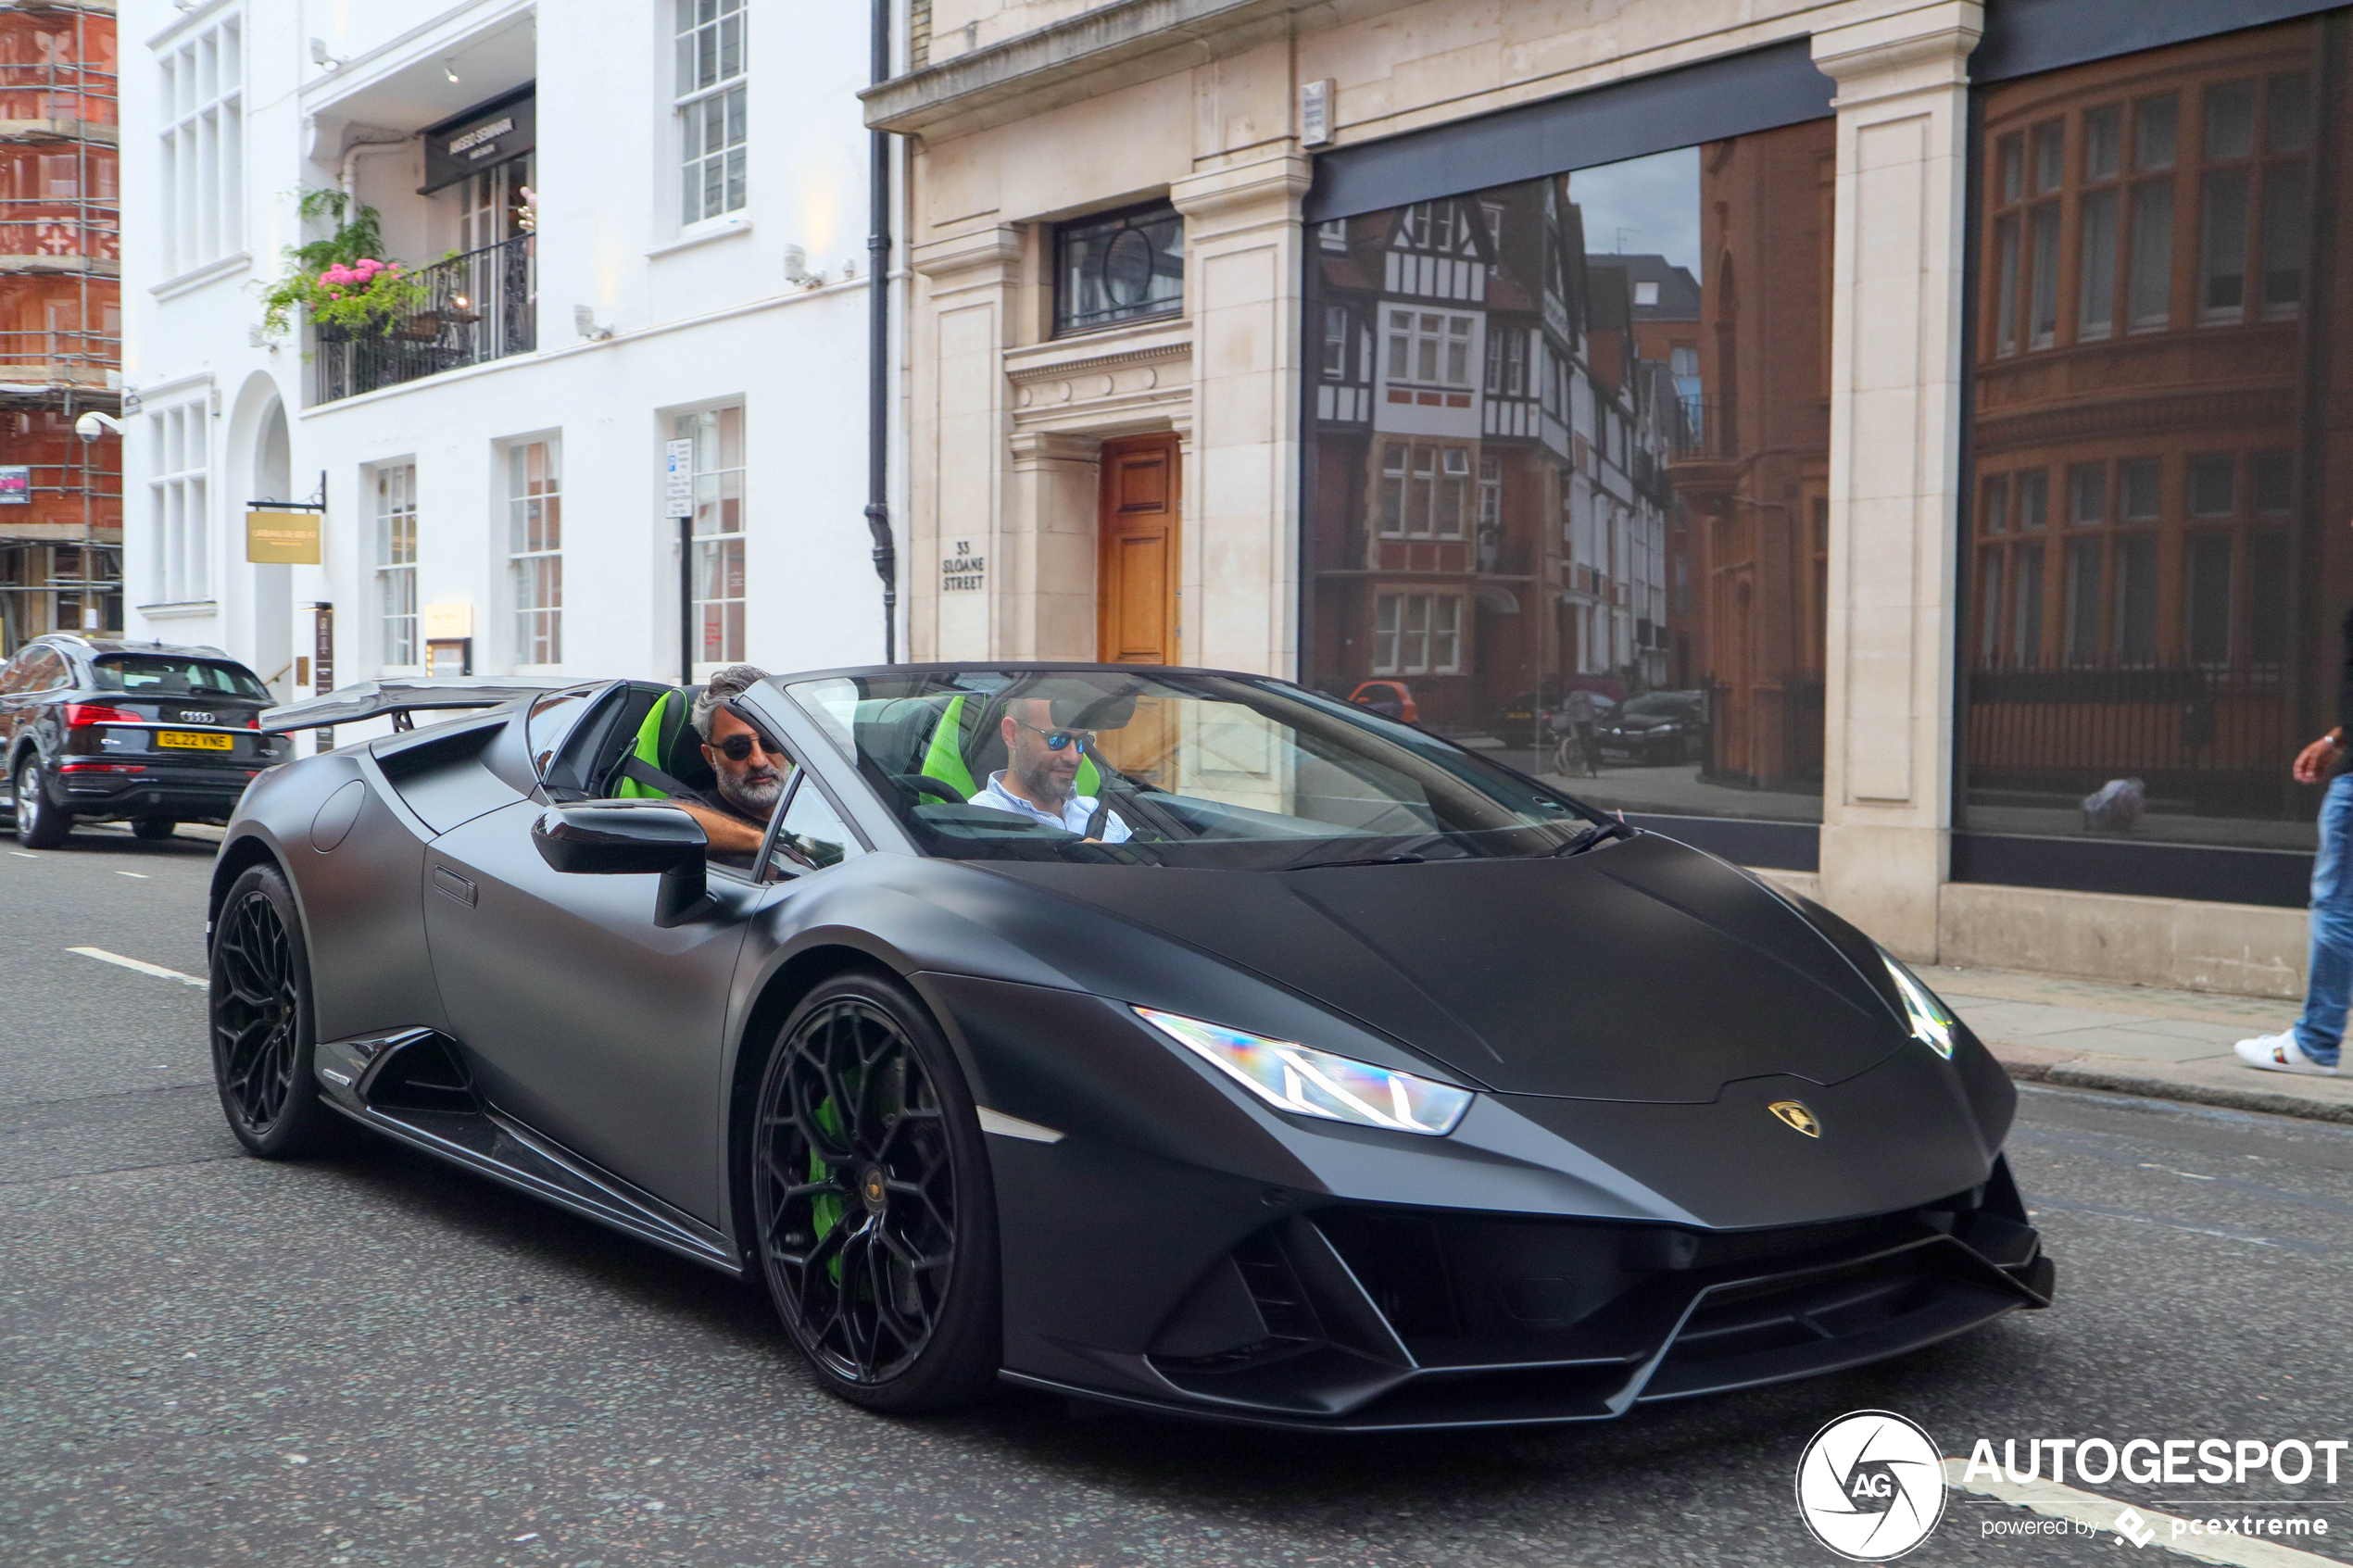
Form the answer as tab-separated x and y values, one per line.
584	321
797	269
450	69
319	55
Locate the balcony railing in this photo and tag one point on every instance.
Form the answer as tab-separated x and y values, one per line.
479	307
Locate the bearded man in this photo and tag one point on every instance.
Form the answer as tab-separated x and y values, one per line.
751	778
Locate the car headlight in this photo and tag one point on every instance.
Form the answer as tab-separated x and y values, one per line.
1307	1082
1930	1019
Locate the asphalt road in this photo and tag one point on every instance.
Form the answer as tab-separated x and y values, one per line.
205	1358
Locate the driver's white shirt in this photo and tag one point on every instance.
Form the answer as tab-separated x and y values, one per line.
1076	810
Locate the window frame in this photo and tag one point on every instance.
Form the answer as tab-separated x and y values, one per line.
180	502
201	147
395	573
516	499
692	95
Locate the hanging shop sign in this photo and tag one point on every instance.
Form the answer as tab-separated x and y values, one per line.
281	536
484	137
16	484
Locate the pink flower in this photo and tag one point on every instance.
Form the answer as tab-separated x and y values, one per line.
368	264
338	273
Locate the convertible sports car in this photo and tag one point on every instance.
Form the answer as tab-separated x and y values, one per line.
1317	1072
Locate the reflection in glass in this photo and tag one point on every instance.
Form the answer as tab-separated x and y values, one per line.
1590	453
1119	267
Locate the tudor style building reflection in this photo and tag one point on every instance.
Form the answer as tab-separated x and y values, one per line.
1539	466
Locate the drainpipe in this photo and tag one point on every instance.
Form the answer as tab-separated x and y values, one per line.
372	140
885	554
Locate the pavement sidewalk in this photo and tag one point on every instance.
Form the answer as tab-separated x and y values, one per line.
2135	1040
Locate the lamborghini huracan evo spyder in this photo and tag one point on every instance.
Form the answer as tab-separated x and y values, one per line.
1325	1075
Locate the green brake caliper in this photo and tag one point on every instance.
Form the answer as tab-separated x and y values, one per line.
825	1209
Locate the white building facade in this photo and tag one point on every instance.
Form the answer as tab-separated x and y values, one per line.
637	223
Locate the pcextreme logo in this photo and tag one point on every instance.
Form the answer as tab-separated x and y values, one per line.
1870	1486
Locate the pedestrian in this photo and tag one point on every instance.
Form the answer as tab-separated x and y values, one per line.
2313	1045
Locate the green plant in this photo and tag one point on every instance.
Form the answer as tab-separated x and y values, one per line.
341	279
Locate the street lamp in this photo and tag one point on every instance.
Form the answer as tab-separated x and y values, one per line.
89	426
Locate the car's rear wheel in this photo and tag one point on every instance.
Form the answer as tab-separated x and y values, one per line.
873	1220
41	822
261	1023
154	827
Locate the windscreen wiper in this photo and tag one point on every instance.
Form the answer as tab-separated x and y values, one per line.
1596	834
1367	860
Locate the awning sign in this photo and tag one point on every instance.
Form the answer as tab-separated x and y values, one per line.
482	138
281	538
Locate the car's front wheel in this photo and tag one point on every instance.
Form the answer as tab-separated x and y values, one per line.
261	1023
41	822
873	1220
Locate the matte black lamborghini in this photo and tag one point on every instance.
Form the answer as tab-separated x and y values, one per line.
1308	1070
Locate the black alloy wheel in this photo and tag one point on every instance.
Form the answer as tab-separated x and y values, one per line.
873	1217
41	822
261	1023
153	828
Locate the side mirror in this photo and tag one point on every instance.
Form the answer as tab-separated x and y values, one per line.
618	838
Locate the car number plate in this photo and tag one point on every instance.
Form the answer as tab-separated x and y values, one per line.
192	740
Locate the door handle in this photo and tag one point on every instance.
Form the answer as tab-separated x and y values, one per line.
446	880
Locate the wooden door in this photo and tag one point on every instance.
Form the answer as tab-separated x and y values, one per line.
1136	554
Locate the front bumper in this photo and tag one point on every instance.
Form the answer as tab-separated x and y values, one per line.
1363	1319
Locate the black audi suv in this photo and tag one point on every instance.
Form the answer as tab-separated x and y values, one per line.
146	732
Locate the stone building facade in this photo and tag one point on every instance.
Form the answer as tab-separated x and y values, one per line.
1658	349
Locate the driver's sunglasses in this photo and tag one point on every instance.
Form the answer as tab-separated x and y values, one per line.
1057	739
739	748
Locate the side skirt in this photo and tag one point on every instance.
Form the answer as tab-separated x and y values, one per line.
412	1088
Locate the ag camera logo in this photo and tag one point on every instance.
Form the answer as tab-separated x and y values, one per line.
1870	1486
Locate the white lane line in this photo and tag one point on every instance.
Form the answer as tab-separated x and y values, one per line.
24	855
2106	1516
140	964
141	876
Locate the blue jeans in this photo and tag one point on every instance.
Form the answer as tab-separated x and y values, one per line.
2320	1032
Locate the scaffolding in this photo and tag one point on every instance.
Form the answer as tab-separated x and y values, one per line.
61	320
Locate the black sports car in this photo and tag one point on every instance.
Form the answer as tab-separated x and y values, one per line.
140	731
1291	1066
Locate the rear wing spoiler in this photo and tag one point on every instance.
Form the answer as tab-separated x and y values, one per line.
374	699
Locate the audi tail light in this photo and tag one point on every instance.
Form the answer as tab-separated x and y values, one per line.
79	714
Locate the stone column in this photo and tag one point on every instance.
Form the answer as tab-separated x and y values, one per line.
1045	582
960	419
1894	470
1240	604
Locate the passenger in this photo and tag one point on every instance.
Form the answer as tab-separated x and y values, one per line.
1041	768
751	779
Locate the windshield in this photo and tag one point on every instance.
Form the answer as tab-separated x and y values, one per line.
1659	705
148	674
1164	769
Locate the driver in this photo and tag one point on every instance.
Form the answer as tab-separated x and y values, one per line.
751	778
1041	765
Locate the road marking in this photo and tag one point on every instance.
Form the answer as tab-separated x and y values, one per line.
141	876
24	855
2105	1514
141	965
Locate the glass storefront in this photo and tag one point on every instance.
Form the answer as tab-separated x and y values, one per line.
2160	466
1569	446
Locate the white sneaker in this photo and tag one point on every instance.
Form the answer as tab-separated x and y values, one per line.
2280	1053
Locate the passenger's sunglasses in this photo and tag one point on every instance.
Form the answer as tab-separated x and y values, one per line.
739	748
1057	739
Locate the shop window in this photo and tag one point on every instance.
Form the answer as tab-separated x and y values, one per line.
2176	621
1119	267
1524	513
